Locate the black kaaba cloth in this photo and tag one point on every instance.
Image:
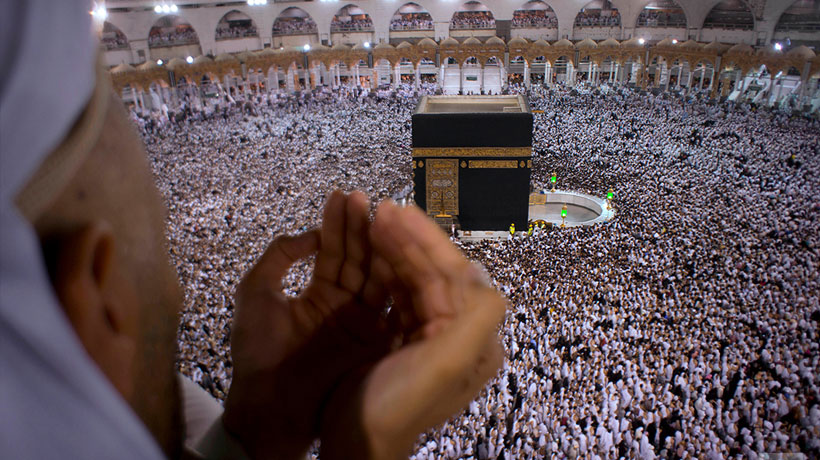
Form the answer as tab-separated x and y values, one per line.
472	158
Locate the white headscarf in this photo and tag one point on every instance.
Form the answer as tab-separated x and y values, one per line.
54	401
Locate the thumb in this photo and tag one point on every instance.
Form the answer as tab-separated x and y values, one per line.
278	258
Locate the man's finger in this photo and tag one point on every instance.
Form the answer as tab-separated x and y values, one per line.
412	265
354	271
332	254
283	252
447	258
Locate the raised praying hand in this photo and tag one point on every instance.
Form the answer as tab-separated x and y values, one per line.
336	362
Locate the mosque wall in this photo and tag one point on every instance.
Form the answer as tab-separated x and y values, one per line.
656	34
135	25
237	45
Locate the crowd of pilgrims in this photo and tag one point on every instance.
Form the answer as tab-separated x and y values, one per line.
412	21
354	23
534	18
661	18
114	41
598	18
294	25
179	35
230	32
687	327
472	20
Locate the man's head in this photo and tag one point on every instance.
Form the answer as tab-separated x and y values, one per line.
104	244
88	301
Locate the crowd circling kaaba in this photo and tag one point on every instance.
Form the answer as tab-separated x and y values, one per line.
685	328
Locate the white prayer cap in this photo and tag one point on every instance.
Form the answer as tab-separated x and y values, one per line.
55	401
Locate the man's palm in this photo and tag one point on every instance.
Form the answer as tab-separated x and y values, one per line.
289	353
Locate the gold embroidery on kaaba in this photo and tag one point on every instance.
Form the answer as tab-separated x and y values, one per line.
463	164
538	198
522	164
493	164
442	187
421	164
472	151
529	164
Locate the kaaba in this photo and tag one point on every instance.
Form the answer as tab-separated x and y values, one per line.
472	158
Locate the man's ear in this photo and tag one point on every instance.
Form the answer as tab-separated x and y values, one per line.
99	299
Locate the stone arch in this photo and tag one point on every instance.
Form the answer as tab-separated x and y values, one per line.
351	18
472	15
113	38
411	16
293	21
172	30
535	14
801	16
235	24
730	14
598	13
662	13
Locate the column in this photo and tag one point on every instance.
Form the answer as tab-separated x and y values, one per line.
526	74
480	79
358	82
713	84
136	99
460	78
547	68
805	78
397	80
417	72
141	96
441	72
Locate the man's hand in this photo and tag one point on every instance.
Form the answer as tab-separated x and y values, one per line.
289	353
444	326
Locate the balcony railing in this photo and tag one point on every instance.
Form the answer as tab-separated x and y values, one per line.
482	26
173	42
305	31
405	27
114	45
344	28
231	34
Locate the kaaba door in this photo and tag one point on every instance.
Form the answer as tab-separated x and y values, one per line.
442	187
